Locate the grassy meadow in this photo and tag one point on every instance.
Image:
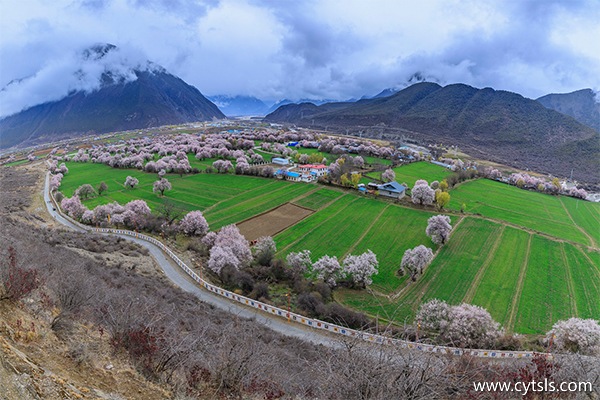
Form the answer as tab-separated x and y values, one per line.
411	173
529	258
557	216
526	281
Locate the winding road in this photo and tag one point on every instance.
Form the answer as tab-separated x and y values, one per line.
180	279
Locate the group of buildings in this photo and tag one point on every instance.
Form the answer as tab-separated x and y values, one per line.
299	173
312	172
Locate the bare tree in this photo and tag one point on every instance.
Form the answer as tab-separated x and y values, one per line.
73	290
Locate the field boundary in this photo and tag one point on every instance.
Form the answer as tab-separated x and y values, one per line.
592	240
367	230
574	309
408	286
468	298
227	216
308	233
223	210
240	194
275	208
517	297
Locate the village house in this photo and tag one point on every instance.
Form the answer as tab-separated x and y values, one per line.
316	170
389	189
280	161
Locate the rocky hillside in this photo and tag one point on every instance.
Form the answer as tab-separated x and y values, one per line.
496	125
583	105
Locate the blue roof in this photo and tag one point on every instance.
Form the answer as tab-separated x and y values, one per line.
392	187
293	174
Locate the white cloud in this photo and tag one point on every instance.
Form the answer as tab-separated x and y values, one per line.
311	48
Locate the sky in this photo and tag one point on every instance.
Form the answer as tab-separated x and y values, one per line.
295	49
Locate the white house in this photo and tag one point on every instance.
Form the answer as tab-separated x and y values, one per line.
314	169
280	161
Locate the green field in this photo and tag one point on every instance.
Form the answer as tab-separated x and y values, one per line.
224	198
410	173
369	160
353	225
552	215
318	199
530	259
527	282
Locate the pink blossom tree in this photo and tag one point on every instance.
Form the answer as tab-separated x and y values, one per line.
327	269
87	217
492	173
242	167
63	169
52	166
73	207
221	257
438	229
222	166
578	193
388	175
161	185
267	172
464	325
415	260
299	262
131	182
209	240
361	268
135	214
102	212
303	158
194	224
117	219
334	171
264	250
471	326
576	335
55	181
422	194
85	191
359	162
230	236
433	316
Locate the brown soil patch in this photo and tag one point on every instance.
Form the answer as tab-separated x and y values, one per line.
272	222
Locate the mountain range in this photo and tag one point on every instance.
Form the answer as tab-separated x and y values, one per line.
555	134
583	105
491	124
234	106
149	97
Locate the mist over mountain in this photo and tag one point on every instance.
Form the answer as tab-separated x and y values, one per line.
583	105
105	96
283	102
239	105
495	125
